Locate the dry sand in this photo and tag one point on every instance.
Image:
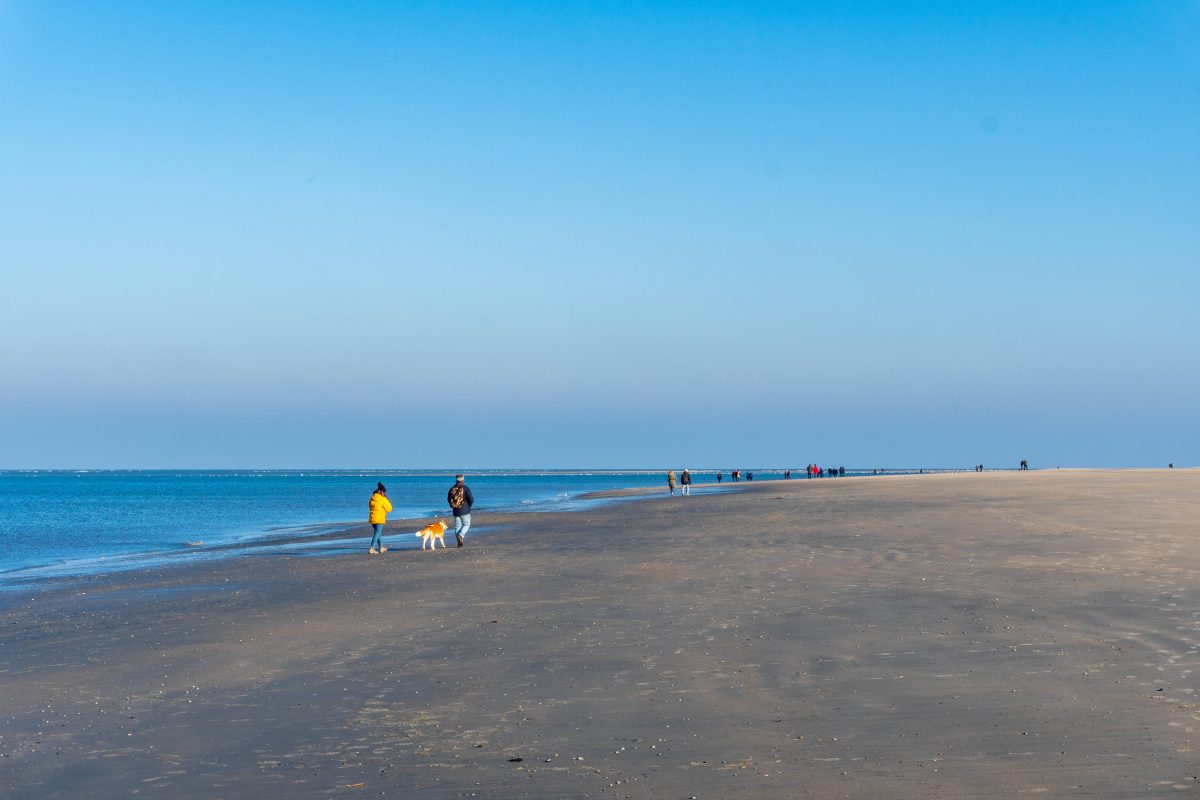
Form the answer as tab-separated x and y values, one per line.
905	637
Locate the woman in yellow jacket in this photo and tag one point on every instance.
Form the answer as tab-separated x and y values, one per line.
380	506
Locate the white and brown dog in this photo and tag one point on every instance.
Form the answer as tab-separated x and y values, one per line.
433	532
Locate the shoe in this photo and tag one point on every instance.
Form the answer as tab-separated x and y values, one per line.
373	551
383	549
460	540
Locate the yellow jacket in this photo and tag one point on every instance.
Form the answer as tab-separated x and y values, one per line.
380	506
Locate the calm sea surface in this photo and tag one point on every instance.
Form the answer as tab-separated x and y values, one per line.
62	523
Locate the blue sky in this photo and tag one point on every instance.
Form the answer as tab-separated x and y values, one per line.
598	234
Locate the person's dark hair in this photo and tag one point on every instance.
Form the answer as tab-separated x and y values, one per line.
379	487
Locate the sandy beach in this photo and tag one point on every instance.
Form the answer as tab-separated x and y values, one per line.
958	636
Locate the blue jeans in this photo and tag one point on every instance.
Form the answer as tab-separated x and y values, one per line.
461	526
377	539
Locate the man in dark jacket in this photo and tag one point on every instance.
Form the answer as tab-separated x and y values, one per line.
460	499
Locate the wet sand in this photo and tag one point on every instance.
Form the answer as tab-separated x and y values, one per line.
904	637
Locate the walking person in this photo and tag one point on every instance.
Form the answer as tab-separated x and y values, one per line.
718	477
671	481
379	507
685	480
460	499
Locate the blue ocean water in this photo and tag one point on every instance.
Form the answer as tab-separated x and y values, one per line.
61	523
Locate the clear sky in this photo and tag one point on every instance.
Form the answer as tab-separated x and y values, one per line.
440	234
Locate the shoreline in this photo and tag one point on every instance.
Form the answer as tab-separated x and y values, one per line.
330	539
316	537
229	542
320	540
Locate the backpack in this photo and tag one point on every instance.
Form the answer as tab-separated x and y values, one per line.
458	496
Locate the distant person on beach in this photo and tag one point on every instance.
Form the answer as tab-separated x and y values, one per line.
685	480
718	477
749	476
379	507
841	472
460	499
671	482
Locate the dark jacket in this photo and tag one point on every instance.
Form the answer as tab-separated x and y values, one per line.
686	478
468	501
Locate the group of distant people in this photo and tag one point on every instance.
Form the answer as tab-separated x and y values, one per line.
459	498
684	481
810	471
1022	467
817	471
